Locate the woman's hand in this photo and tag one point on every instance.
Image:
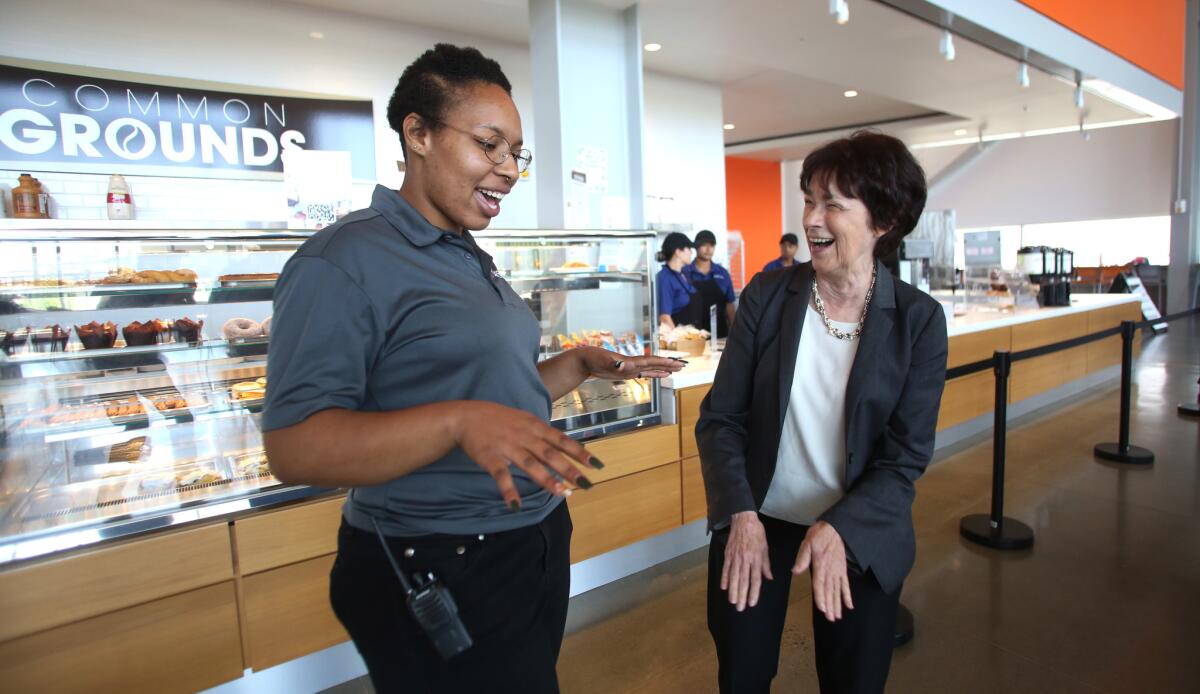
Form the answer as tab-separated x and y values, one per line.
495	437
602	363
746	560
824	551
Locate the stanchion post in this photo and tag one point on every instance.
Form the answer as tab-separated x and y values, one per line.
1192	409
1002	366
1122	451
995	530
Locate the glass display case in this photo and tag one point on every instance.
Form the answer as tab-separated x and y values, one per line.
587	288
133	366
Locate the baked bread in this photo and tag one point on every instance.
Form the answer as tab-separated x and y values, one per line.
249	390
121	275
249	277
195	477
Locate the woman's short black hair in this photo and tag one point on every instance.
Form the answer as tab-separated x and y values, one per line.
433	81
879	170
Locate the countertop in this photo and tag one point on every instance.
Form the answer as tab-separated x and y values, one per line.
701	370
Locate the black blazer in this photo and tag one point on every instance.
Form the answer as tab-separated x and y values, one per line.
892	400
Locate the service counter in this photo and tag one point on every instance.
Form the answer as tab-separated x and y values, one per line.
191	608
976	336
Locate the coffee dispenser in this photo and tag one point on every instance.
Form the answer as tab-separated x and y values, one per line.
913	261
1066	273
1041	264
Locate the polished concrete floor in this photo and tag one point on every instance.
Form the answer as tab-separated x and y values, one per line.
1107	600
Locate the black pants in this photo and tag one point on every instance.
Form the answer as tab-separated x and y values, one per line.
853	654
511	589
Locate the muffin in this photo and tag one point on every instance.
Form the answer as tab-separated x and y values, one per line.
14	341
141	334
97	336
52	338
187	330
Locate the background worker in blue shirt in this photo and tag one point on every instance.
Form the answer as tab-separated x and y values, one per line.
678	301
787	253
713	282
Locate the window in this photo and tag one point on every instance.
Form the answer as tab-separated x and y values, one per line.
1095	242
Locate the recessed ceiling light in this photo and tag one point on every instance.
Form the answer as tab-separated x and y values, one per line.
730	126
849	93
960	132
315	35
652	47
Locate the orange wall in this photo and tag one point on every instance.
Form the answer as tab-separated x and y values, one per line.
1147	33
754	206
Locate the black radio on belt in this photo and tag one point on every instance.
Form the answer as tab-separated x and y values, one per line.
432	606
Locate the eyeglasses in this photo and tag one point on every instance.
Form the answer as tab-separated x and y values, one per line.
497	149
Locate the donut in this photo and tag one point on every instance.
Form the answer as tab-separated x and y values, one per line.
266	325
241	329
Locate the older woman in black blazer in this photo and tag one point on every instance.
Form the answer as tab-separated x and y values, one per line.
821	418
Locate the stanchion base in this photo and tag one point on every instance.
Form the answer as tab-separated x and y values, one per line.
903	631
1190	408
1012	533
1134	455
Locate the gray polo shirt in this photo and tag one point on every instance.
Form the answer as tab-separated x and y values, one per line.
384	311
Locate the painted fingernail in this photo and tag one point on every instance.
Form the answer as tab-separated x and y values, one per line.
514	506
678	360
618	364
595	462
583	482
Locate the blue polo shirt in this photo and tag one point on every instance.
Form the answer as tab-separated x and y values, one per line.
719	275
675	290
776	264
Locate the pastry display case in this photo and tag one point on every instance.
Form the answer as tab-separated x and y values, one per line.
133	367
587	288
132	378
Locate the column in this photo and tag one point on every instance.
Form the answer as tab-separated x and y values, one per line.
587	109
1185	220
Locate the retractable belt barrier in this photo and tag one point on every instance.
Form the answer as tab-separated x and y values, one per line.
994	529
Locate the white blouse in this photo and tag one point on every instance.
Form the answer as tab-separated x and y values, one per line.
810	467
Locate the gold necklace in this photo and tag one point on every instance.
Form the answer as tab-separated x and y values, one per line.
839	334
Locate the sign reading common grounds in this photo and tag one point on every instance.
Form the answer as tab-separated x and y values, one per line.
73	123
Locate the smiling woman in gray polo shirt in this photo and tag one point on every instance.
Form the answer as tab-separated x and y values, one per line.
403	366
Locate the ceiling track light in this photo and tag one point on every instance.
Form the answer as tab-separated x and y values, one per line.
1079	90
839	10
946	45
1023	74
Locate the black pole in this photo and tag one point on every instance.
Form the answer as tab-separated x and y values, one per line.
1126	384
1122	451
994	530
1191	409
1002	367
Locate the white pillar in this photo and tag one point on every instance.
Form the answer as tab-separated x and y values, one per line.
1185	224
587	108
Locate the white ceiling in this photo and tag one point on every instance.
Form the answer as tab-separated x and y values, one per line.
783	65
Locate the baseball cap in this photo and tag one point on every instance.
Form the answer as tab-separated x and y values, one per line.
673	242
